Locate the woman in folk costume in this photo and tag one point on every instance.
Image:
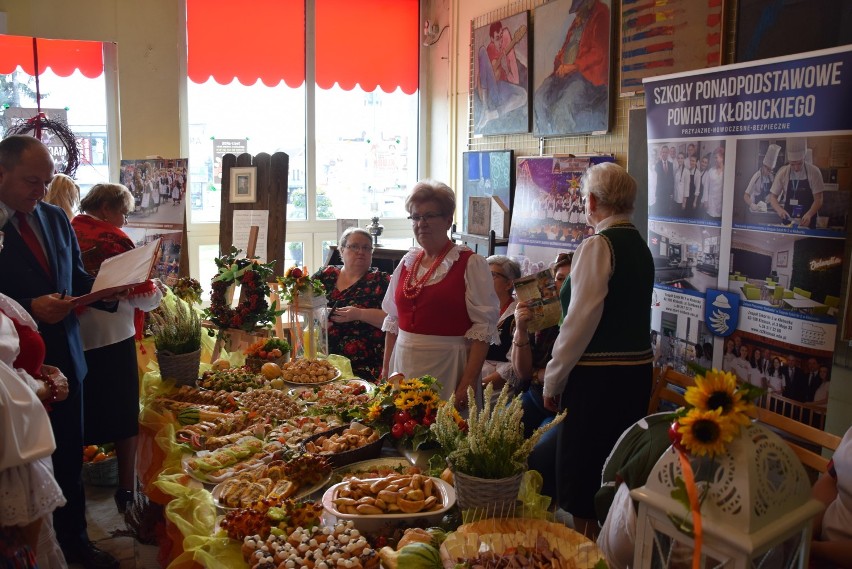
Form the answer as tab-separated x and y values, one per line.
441	305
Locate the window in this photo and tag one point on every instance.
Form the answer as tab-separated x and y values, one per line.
362	99
72	88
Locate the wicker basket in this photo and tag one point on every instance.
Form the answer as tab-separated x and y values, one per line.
103	473
366	452
181	368
491	495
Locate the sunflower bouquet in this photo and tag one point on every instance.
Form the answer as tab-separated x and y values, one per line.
406	408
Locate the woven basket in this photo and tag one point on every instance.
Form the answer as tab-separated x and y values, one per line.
103	473
181	368
491	495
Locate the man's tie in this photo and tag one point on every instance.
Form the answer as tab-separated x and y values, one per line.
32	241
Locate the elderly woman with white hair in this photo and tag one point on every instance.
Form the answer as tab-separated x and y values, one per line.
601	370
441	306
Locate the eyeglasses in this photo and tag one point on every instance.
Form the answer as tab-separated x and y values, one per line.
426	217
501	275
360	248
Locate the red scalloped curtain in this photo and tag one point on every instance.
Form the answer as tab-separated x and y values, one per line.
371	43
61	56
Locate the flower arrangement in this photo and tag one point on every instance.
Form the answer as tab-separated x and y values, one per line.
188	289
407	409
252	276
297	281
492	445
268	348
717	408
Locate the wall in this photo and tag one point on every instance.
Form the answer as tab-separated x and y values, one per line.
147	34
454	57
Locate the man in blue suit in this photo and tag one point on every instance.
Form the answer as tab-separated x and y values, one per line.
40	267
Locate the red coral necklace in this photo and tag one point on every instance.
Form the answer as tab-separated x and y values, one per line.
412	286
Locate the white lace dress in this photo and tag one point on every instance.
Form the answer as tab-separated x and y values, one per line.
443	357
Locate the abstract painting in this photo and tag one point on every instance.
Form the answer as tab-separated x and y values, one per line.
571	67
668	36
501	76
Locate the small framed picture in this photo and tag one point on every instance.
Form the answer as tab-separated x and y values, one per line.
782	258
244	185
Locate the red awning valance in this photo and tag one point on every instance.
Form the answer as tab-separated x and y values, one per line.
259	39
61	56
371	43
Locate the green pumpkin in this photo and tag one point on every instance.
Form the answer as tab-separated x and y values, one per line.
189	416
419	556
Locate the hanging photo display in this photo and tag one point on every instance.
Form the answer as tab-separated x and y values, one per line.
159	189
549	212
749	185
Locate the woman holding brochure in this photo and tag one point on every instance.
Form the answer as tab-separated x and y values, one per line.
111	397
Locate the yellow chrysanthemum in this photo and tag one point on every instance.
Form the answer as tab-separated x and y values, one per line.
405	401
706	432
411	384
718	390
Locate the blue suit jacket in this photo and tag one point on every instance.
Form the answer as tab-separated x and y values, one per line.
23	279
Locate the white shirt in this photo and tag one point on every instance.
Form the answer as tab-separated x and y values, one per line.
99	328
785	174
590	276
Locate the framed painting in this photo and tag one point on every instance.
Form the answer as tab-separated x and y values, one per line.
658	38
486	174
782	259
243	185
571	67
500	87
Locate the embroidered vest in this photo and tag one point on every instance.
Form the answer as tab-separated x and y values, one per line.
439	309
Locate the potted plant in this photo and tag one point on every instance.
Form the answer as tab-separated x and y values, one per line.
176	329
487	454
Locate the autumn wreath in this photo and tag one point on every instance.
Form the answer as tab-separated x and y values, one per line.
254	310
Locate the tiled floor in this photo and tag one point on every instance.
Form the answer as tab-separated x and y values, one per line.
104	519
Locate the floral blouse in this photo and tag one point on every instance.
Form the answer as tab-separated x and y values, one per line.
362	343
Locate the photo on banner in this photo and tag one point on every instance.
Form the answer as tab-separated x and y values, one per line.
549	212
762	223
159	190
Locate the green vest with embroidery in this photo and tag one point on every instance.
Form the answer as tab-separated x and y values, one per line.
623	336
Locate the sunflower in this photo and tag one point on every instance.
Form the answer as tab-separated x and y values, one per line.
706	432
405	401
429	398
411	384
374	412
717	390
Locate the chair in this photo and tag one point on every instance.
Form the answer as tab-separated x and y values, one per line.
788	293
751	293
802	292
808	443
777	294
820	310
833	304
668	391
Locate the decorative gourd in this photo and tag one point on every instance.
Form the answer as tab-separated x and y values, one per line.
189	416
419	556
